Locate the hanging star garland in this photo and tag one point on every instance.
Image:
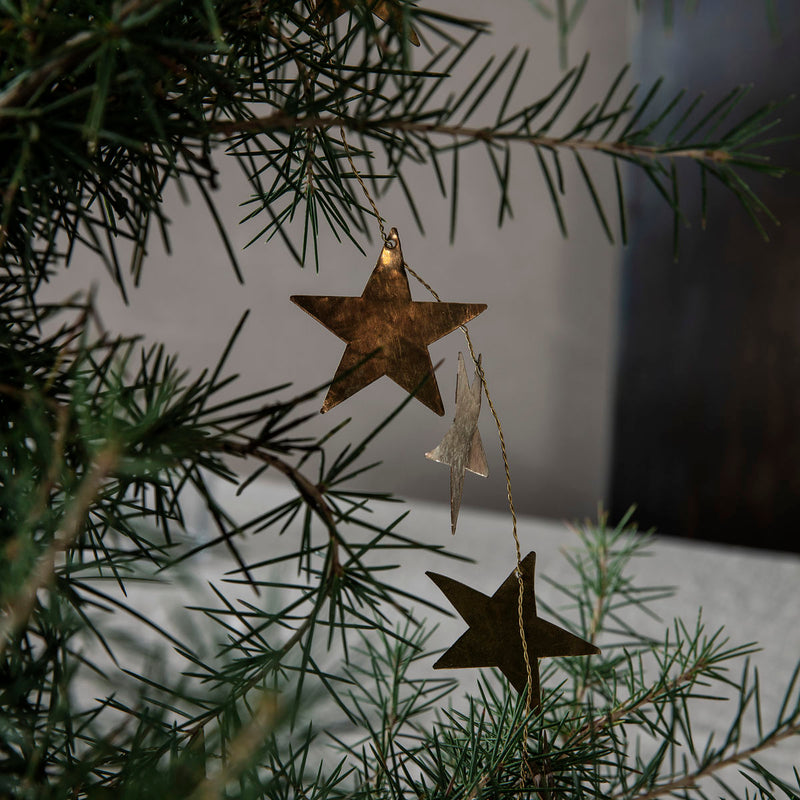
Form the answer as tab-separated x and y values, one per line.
461	448
493	638
387	333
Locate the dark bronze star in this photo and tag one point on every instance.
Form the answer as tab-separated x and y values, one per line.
493	638
461	448
387	333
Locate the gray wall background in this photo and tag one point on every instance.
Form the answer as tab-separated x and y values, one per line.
547	338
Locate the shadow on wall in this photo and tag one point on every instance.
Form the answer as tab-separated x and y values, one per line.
706	434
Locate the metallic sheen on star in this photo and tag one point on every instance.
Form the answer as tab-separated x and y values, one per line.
387	333
493	638
461	448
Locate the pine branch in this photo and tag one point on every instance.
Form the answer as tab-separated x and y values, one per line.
692	780
21	606
95	147
281	122
248	741
626	710
406	128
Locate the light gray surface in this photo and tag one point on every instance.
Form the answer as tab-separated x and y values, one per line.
547	338
753	594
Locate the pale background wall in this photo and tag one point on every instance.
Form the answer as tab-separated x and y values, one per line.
547	338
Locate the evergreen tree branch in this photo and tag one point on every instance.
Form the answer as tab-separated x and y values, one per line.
308	490
248	741
692	780
64	121
20	607
625	711
281	122
20	91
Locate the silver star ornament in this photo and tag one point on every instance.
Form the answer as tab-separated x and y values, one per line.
461	447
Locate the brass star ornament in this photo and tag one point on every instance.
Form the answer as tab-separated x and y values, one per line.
461	448
493	638
387	333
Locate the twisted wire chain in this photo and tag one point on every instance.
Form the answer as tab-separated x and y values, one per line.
512	510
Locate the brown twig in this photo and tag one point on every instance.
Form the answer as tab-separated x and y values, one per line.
610	719
690	781
309	491
279	120
241	750
316	501
21	606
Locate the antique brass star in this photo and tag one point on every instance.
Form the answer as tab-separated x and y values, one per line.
461	448
387	333
388	11
493	638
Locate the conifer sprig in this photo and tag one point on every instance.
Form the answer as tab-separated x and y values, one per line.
133	436
100	112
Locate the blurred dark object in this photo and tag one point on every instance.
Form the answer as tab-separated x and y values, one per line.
707	413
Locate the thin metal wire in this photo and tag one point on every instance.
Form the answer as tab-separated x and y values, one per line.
347	152
509	495
378	216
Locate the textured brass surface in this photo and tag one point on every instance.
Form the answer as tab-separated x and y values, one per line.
387	333
461	448
493	638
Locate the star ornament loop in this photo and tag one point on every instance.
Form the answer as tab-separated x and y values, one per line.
461	448
493	638
386	332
